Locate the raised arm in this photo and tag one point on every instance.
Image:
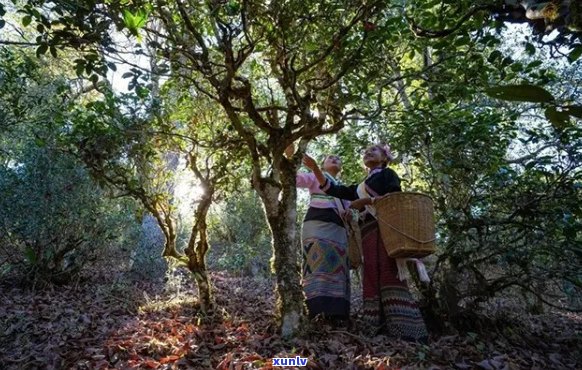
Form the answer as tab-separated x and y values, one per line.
312	165
303	180
338	191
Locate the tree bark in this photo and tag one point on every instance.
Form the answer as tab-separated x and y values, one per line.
449	292
196	252
281	211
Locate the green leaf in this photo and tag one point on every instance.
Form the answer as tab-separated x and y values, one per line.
517	67
79	68
39	142
575	53
529	93
26	20
558	119
128	19
30	255
573	110
5	269
142	92
53	51
530	165
2	23
2	10
41	50
530	49
534	64
140	18
461	41
127	75
494	56
506	61
134	22
232	8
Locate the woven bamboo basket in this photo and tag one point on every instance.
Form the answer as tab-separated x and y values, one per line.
406	222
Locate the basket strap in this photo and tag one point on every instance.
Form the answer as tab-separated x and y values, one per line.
362	191
403	271
406	235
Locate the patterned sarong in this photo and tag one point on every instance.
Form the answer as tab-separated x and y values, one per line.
325	269
388	304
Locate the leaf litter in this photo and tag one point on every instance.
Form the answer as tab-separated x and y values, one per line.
95	326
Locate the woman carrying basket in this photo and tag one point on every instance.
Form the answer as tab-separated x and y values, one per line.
388	303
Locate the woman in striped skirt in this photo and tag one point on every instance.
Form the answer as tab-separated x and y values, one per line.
326	280
389	307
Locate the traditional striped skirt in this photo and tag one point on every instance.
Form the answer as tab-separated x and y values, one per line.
325	269
388	304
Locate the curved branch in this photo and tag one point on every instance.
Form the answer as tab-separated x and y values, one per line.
545	301
18	43
421	32
342	33
531	155
193	31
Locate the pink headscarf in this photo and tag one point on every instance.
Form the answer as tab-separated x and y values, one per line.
388	152
385	148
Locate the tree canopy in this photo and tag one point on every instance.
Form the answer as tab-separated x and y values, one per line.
483	115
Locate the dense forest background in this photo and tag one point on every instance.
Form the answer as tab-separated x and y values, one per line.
148	217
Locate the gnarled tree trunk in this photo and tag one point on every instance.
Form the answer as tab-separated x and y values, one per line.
196	252
279	200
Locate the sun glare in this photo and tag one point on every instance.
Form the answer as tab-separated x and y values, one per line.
187	192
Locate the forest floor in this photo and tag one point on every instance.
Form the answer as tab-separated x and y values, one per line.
112	321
